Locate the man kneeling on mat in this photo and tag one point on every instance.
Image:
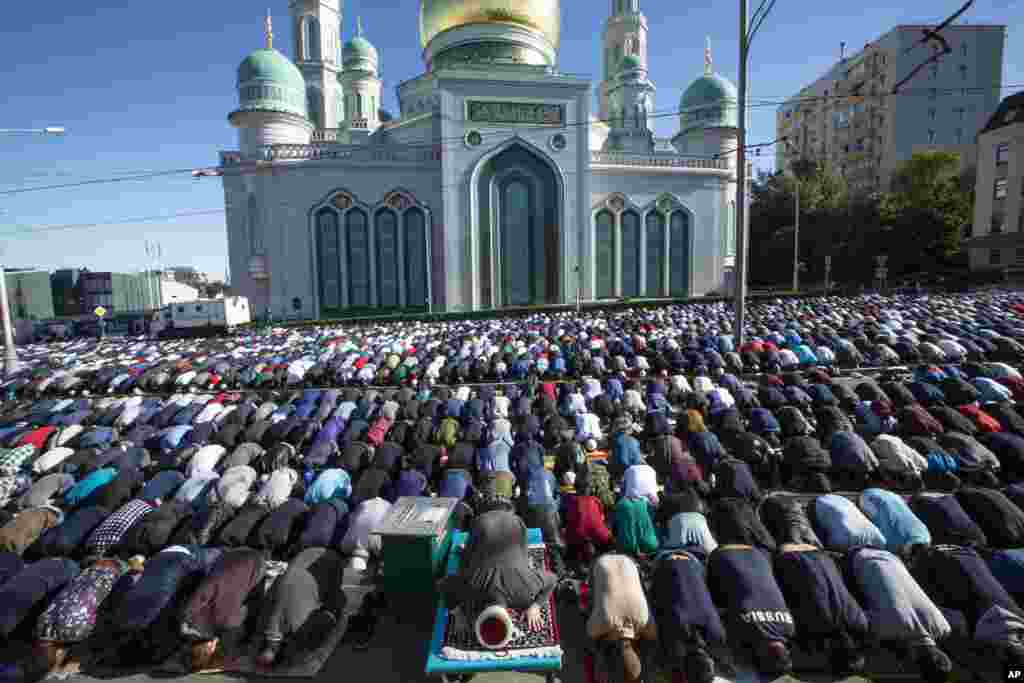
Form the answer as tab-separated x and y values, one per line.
688	622
305	603
620	617
218	607
496	570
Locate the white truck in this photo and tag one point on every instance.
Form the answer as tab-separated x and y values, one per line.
202	316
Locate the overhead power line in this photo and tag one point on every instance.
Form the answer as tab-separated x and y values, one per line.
31	230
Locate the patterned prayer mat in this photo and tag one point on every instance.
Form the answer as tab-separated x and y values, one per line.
461	637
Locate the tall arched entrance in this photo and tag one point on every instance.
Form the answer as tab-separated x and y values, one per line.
519	224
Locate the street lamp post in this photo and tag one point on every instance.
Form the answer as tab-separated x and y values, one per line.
49	130
796	241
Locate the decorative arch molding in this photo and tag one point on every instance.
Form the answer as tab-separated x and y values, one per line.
408	240
399	200
566	236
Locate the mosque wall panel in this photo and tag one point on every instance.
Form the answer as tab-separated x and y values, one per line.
701	196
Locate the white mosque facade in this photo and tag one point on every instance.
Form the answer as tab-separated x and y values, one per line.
500	182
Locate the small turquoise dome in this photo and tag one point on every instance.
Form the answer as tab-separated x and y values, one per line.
359	53
630	62
269	81
709	102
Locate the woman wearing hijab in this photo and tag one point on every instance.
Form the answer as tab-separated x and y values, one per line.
496	570
586	532
633	527
681	521
641	481
304	604
539	506
219	606
359	541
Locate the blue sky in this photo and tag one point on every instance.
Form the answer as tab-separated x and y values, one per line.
147	86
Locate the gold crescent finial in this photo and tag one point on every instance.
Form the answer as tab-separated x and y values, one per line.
359	26
270	31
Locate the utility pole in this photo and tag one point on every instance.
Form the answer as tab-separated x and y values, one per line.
796	240
741	181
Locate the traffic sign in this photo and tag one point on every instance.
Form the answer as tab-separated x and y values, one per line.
99	311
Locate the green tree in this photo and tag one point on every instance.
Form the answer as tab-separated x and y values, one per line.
930	203
826	222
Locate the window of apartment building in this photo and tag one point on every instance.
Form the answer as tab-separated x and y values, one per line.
931	136
933	72
1002	153
1020	254
959	111
959	133
932	93
963	49
1001	184
998	222
963	72
931	113
995	257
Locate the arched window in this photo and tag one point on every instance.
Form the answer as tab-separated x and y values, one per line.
329	252
631	286
358	258
387	258
313	104
310	39
516	251
358	113
679	254
655	254
604	249
415	257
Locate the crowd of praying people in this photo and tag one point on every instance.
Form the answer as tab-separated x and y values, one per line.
706	503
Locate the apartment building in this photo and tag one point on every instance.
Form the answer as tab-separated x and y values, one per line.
28	294
997	234
850	117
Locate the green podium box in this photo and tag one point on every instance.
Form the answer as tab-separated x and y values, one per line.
415	537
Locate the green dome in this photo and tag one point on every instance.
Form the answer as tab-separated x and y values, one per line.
269	81
631	62
709	102
359	53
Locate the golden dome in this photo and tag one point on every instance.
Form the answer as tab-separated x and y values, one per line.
437	16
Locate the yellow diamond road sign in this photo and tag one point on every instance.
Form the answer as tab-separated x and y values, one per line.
99	311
